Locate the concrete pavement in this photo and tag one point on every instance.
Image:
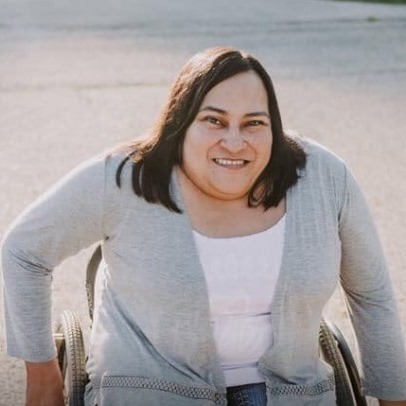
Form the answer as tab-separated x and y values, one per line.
77	77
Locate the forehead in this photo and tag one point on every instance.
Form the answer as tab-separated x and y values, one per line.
244	91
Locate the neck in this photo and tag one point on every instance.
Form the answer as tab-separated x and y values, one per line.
219	218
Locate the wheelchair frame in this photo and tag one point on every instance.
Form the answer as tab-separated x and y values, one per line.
69	342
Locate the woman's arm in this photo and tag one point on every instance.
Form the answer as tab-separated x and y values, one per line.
370	298
60	223
44	384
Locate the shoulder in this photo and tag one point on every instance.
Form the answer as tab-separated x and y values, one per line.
317	152
325	174
96	167
319	158
120	162
103	167
96	178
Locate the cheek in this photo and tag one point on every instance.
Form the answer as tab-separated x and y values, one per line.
197	143
263	147
194	152
267	146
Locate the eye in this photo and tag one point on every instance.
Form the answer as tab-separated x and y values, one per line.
256	123
214	120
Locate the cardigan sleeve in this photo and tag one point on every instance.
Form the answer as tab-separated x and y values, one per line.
60	223
370	298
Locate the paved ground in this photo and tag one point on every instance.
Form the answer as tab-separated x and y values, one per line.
77	77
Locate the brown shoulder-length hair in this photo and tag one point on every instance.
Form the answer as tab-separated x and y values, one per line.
154	157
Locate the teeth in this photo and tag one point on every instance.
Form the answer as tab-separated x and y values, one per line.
234	162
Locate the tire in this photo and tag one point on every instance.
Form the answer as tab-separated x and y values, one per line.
71	357
351	367
330	353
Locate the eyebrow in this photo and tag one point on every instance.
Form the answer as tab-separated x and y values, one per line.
221	111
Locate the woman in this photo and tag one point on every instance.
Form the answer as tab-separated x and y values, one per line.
223	238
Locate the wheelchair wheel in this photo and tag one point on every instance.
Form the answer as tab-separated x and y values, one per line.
71	357
350	365
330	352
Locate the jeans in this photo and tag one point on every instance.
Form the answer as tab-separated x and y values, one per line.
247	395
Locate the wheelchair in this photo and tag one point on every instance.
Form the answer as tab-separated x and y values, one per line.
69	341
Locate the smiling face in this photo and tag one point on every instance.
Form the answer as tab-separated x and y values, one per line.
229	143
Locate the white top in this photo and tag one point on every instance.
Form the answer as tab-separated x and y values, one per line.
241	275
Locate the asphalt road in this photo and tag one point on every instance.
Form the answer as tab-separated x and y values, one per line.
78	77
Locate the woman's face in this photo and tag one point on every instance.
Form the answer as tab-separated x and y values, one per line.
229	142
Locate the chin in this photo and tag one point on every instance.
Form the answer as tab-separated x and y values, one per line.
230	195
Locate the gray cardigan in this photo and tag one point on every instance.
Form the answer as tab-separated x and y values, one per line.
151	340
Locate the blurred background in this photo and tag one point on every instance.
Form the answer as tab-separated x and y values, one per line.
78	77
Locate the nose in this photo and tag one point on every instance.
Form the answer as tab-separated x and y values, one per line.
233	140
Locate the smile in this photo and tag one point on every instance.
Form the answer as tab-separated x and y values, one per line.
230	162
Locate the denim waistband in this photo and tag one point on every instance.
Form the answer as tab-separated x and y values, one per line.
247	395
